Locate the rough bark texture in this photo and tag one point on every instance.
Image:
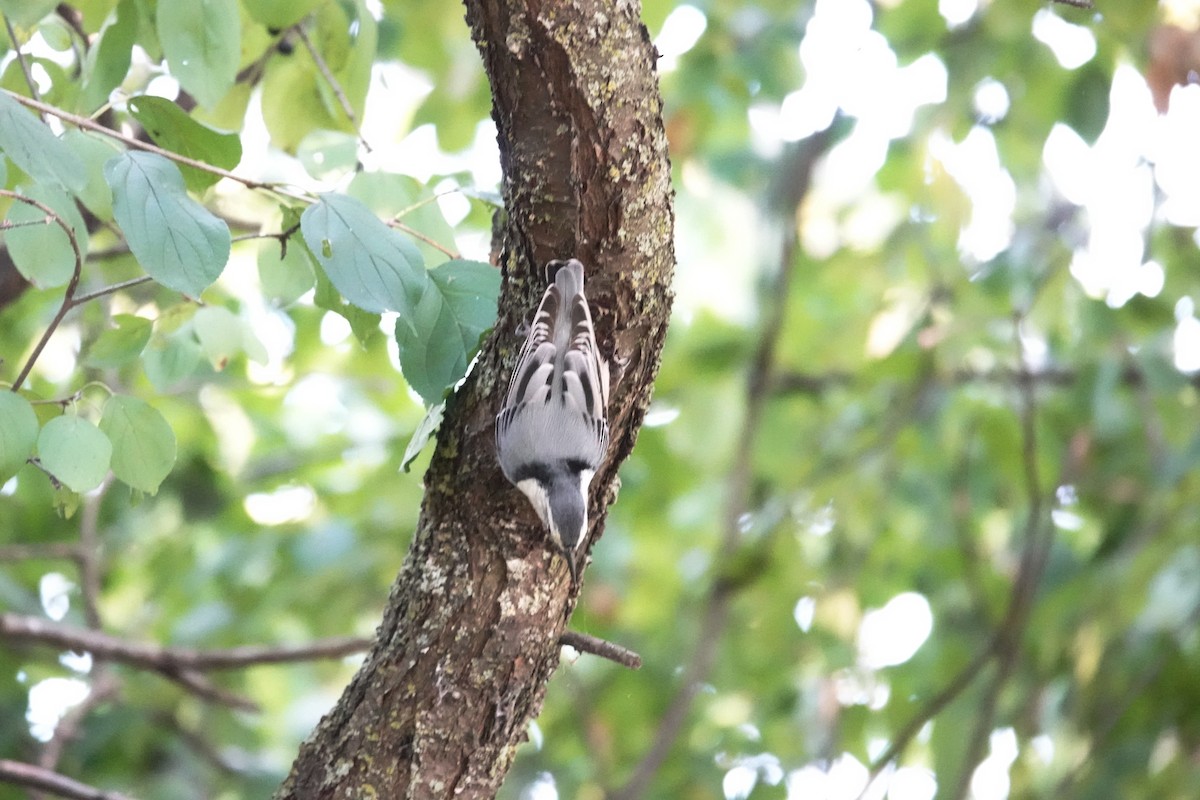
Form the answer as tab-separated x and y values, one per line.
470	635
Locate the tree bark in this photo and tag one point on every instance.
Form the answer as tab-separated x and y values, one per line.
470	634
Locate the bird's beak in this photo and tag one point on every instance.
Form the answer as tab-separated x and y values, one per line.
571	567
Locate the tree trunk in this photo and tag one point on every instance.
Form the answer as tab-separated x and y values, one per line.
470	634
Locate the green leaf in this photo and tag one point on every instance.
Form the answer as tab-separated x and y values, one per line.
285	276
349	48
390	195
297	98
279	14
372	265
230	112
181	244
291	104
95	151
75	452
363	324
429	425
201	41
33	148
172	128
120	345
442	337
18	433
143	445
107	61
220	334
24	13
56	33
171	359
42	252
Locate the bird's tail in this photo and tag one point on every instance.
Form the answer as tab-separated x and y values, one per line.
568	277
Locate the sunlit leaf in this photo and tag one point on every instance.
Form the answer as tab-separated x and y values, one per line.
279	14
24	13
143	444
171	359
18	433
108	59
118	346
220	334
200	39
74	451
297	96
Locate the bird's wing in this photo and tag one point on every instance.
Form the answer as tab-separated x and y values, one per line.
558	397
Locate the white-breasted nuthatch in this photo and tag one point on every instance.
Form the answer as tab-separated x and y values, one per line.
552	432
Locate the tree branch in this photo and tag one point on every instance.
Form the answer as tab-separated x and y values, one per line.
29	81
586	643
1005	643
72	285
334	84
161	658
129	141
30	552
45	780
112	289
818	384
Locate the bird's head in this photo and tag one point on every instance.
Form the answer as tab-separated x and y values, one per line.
560	499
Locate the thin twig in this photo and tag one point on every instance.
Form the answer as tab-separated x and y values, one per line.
586	643
931	709
424	201
96	127
30	552
116	287
159	658
334	84
281	237
199	684
821	383
1037	539
1005	643
31	776
104	683
72	285
193	738
8	225
89	553
395	223
29	81
120	248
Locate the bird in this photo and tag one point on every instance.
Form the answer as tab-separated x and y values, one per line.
552	431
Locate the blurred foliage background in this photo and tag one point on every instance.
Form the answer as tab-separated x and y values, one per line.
964	561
